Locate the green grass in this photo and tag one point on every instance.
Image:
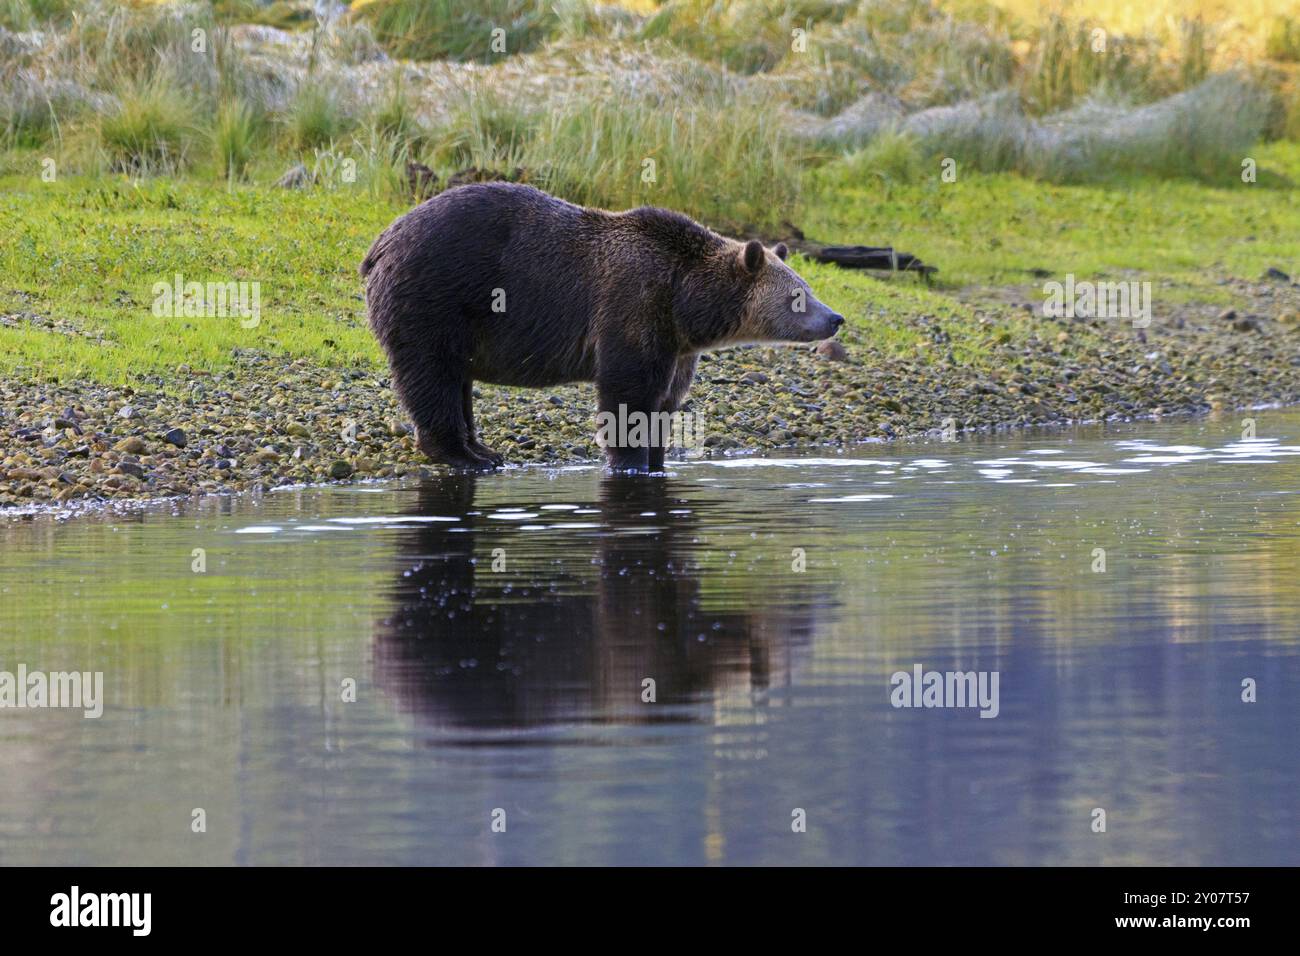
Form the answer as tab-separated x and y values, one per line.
627	151
88	251
454	29
316	117
890	158
234	138
152	131
995	228
1283	40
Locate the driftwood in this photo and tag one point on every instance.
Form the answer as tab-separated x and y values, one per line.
879	258
884	258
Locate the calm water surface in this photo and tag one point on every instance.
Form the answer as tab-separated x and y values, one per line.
500	632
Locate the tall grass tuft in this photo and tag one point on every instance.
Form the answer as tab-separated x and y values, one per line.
1071	59
394	118
151	130
456	30
487	130
892	158
1282	41
1194	53
27	114
729	163
381	165
23	15
235	134
316	116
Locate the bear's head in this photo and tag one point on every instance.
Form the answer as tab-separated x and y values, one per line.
778	305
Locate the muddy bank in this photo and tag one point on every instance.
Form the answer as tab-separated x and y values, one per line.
266	422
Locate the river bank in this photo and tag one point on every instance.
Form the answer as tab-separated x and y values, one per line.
267	421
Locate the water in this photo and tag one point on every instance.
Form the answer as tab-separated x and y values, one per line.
520	689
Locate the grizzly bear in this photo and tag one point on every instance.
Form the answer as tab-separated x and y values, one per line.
502	283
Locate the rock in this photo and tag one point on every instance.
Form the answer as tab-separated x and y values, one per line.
1227	315
753	378
298	430
296	177
128	468
134	445
175	436
1276	275
832	351
127	411
476	175
422	180
340	469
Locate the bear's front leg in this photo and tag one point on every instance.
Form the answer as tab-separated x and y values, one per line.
629	393
683	375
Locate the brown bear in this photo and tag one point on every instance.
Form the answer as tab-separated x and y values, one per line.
502	283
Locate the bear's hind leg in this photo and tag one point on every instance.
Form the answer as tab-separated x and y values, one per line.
431	393
471	434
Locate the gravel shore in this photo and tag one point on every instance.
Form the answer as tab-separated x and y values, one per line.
265	421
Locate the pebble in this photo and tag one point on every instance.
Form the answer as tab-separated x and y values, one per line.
133	445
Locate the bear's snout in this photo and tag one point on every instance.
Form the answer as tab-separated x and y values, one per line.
824	325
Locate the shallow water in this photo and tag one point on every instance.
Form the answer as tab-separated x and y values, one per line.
520	688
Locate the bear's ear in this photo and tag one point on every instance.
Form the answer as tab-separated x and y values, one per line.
781	251
753	255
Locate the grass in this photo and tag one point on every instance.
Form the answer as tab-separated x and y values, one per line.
317	116
890	158
234	138
996	228
90	250
723	92
1072	58
152	130
627	152
1283	42
454	29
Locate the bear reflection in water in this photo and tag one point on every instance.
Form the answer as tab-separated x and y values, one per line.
575	625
